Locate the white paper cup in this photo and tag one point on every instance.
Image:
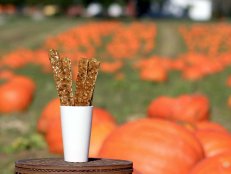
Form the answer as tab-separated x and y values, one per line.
76	132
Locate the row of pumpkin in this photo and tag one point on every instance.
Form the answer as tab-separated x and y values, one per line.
116	40
17	93
193	66
210	39
118	43
164	142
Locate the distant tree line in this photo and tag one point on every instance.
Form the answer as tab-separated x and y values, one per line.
221	8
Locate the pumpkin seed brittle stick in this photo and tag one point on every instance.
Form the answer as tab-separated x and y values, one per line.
59	77
56	64
92	74
80	81
67	82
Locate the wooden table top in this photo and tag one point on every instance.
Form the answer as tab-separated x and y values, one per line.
58	165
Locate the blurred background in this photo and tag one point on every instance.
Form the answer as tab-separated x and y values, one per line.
160	59
189	9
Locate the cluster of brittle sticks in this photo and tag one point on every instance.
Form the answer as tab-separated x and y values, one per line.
85	81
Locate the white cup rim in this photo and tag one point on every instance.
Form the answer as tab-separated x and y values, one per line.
76	106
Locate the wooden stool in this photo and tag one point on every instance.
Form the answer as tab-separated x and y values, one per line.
59	166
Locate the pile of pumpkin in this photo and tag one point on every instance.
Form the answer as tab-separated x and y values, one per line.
116	40
207	38
124	41
208	53
209	50
21	57
193	66
176	137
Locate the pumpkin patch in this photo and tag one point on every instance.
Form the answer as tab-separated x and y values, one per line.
174	74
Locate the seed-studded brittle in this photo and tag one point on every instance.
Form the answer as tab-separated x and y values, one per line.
80	82
57	70
85	82
67	82
62	80
89	86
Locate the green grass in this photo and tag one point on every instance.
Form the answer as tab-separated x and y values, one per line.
126	99
23	32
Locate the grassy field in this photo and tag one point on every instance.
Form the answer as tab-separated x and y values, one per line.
126	99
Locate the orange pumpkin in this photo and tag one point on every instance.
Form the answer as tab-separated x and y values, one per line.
189	108
214	142
154	145
161	107
192	73
49	113
156	74
219	164
178	64
53	136
16	94
102	125
111	67
210	126
204	126
24	82
192	108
